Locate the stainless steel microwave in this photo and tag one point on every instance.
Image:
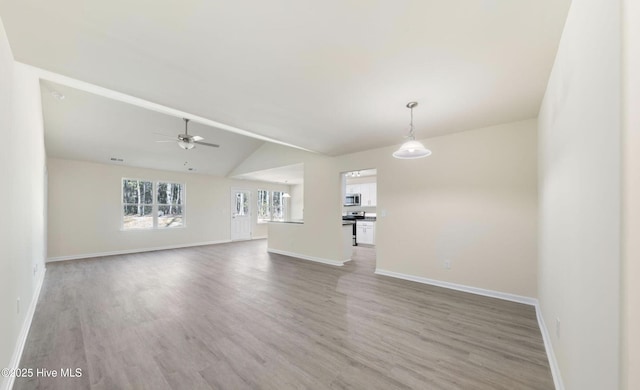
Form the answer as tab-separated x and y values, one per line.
352	200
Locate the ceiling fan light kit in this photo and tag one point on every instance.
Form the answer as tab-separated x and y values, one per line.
186	144
411	149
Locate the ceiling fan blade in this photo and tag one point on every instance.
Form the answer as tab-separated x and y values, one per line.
207	144
197	138
167	140
164	135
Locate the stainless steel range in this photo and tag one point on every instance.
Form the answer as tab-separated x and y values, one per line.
353	216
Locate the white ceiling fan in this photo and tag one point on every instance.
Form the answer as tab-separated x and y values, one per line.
187	141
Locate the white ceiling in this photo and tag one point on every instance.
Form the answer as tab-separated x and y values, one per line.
290	174
332	76
88	127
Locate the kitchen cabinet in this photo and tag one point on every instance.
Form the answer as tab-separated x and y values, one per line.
354	189
366	232
367	190
369	194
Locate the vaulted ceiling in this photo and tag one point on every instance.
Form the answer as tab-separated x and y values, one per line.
330	76
87	127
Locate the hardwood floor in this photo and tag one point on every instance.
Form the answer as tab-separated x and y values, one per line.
232	316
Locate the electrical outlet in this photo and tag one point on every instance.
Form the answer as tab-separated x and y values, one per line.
18	305
447	264
558	327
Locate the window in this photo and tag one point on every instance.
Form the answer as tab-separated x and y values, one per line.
270	206
146	206
264	208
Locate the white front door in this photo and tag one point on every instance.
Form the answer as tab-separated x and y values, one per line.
240	215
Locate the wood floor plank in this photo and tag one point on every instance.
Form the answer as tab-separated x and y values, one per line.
233	316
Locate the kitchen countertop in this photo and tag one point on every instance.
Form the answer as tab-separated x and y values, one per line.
291	222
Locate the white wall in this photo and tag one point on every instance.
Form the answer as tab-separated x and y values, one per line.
297	201
22	174
630	339
473	202
84	209
579	163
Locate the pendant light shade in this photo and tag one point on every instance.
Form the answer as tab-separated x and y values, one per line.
412	148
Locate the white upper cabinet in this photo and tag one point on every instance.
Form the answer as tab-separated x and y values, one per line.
369	196
367	190
354	188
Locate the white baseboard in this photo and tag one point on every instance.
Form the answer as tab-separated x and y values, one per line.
553	363
259	237
7	383
310	258
460	287
551	356
129	251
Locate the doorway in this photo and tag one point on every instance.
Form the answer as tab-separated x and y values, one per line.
240	215
359	208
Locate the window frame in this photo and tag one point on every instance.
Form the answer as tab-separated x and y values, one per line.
154	205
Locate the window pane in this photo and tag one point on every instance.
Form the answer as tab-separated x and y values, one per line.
277	205
242	203
147	192
137	191
170	193
178	193
137	217
264	213
162	193
129	191
170	216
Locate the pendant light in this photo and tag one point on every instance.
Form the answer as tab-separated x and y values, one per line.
412	148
